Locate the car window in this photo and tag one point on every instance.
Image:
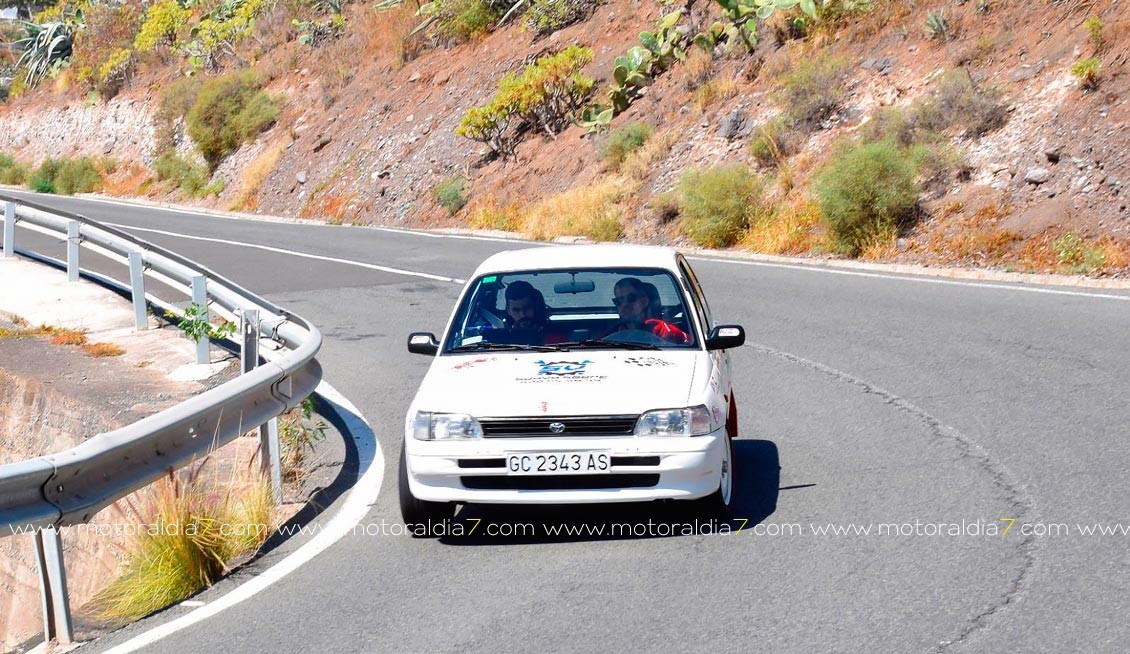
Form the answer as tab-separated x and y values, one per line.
579	305
696	294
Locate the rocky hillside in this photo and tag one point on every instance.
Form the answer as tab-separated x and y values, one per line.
979	132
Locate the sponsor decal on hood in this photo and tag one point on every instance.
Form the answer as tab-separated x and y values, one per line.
561	371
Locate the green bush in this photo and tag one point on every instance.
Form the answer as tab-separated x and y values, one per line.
624	141
465	19
813	90
103	60
229	111
1094	26
78	176
866	193
451	194
217	33
65	176
1087	71
257	115
173	103
191	178
12	172
717	203
547	16
42	180
545	96
164	20
1075	256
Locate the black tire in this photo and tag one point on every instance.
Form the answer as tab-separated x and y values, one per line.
435	516
718	503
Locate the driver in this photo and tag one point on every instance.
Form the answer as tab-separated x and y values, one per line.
638	304
525	309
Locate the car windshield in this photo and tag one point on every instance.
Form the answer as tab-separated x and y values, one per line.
582	308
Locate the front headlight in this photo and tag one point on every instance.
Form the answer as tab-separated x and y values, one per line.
692	421
427	426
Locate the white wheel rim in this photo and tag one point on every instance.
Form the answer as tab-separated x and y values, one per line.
726	483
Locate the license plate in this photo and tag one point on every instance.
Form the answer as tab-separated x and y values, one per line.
558	463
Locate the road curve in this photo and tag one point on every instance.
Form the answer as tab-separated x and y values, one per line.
865	401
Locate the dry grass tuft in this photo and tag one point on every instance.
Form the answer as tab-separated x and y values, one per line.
191	529
793	229
596	211
247	199
592	211
99	350
129	180
695	71
386	35
642	163
714	92
61	336
491	214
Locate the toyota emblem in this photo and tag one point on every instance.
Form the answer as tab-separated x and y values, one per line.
556	427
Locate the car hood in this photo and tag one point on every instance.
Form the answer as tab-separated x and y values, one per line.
558	383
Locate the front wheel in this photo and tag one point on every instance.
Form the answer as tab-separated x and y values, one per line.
423	518
719	502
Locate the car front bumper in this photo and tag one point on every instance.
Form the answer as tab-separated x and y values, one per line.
643	469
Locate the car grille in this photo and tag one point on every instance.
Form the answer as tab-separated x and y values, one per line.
573	426
560	482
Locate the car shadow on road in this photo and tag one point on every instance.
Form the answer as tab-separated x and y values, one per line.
755	499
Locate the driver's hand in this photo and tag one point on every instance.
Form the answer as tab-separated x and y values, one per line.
666	331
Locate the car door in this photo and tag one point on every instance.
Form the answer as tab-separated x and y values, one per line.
720	359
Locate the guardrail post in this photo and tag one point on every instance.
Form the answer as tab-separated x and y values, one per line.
270	457
73	240
200	297
137	285
53	587
9	229
270	464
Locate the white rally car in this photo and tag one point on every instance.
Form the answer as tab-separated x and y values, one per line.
573	375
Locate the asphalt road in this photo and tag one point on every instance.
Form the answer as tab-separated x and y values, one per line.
881	399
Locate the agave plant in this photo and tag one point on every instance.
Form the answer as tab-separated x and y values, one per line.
45	46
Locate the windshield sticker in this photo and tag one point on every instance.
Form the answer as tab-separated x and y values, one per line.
562	371
648	362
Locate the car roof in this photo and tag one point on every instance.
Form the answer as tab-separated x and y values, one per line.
605	255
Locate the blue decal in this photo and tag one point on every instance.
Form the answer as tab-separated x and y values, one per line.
562	367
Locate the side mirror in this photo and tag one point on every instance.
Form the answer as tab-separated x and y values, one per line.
724	337
423	343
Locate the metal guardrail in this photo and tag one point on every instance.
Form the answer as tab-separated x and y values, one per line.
69	487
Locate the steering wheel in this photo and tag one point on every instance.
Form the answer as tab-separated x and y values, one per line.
634	336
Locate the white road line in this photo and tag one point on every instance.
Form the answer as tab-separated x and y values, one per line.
904	278
353	509
274	219
305	255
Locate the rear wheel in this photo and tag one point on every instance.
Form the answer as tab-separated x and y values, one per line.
424	519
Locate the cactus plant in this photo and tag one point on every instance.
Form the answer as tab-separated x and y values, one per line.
666	43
